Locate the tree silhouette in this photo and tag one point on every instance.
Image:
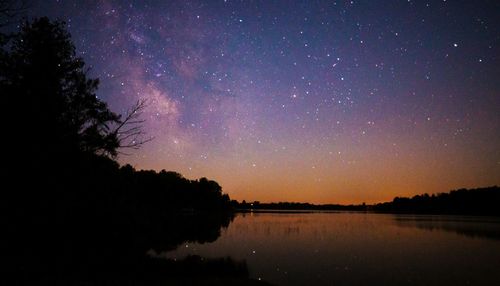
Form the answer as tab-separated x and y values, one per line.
42	75
128	129
68	203
480	201
10	10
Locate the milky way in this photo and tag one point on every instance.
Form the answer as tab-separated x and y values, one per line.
319	101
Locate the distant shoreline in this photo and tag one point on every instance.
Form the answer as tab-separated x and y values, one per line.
466	202
321	211
296	211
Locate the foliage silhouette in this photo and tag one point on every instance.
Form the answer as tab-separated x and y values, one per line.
10	10
42	73
295	206
480	201
71	212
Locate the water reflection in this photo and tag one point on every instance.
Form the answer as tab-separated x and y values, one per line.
474	227
356	249
123	255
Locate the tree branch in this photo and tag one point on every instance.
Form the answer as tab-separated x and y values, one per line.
129	130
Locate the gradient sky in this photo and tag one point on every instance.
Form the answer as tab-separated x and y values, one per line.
316	101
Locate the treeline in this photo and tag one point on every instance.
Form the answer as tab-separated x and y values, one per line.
63	140
295	206
480	201
69	210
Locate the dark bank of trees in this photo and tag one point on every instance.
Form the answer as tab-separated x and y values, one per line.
295	206
62	139
480	201
69	210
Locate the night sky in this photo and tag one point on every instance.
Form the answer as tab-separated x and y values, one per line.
314	101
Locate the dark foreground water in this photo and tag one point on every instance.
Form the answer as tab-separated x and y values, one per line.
359	249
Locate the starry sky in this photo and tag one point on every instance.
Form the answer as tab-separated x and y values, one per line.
313	101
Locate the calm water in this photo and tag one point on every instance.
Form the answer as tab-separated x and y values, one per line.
359	249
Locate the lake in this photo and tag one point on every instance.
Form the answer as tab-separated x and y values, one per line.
326	248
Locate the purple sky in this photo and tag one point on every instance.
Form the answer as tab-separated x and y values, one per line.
319	101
